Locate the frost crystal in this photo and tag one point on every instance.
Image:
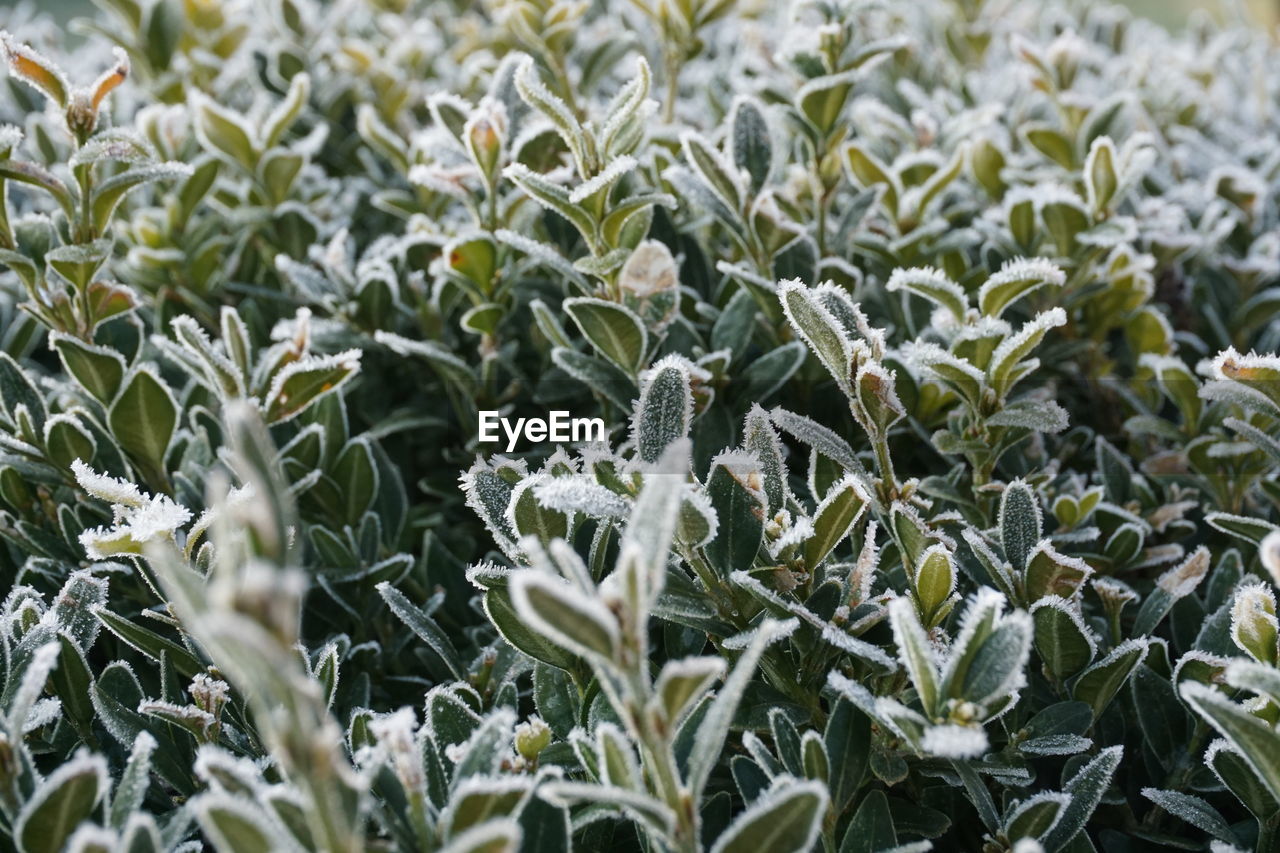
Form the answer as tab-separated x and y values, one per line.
139	518
611	174
791	535
107	488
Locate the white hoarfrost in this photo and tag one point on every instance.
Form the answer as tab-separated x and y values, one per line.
139	518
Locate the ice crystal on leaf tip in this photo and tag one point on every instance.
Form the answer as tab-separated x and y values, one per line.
139	518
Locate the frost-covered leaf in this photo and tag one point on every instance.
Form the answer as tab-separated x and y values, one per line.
60	802
565	616
665	408
787	818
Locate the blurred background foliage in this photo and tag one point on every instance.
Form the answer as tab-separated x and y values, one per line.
1174	13
1171	13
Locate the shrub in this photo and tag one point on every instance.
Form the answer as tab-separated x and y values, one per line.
937	504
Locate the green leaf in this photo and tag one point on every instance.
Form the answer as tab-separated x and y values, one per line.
483	319
871	829
1040	416
759	437
735	489
1020	523
223	133
1254	740
491	836
186	717
421	623
653	815
236	825
988	161
1015	280
143	418
1061	638
933	285
107	195
935	578
1098	684
17	389
619	132
553	197
682	683
765	375
1065	218
816	763
1051	573
820	330
1125	544
38	176
150	643
868	171
1086	789
835	517
1101	181
502	613
614	330
914	652
1194	811
65	441
565	616
665	409
98	369
848	743
286	112
356	476
1244	527
646	542
78	264
733	328
714	727
1035	816
531	518
71	681
1006	366
997	667
131	790
785	820
786	741
752	145
822	99
223	376
1050	142
710	166
939	181
1114	470
536	94
1241	779
116	693
602	377
302	383
66	797
1163	719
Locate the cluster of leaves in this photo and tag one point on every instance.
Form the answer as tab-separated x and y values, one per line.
938	505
